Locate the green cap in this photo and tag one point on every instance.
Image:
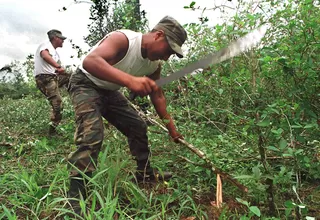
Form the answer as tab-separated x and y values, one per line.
55	33
175	33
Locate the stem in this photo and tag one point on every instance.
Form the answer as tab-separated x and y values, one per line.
198	152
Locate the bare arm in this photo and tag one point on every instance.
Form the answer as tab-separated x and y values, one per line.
159	101
48	58
111	50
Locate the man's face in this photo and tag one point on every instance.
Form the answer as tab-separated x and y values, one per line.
160	48
59	41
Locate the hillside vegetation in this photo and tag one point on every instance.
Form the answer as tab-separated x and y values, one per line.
255	117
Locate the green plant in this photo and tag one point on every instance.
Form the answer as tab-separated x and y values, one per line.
254	210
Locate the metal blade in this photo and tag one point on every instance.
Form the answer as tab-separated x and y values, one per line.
233	49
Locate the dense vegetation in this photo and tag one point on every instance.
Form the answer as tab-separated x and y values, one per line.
256	118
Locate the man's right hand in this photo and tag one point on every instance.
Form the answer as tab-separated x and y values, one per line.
142	86
60	71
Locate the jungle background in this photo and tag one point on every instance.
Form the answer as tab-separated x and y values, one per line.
255	118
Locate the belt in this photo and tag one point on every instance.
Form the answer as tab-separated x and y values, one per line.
44	75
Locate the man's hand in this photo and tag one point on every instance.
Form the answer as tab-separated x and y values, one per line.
142	86
175	136
60	71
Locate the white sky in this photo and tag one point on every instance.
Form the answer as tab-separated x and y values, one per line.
24	23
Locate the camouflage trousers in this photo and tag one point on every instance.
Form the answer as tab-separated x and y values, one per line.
49	85
91	105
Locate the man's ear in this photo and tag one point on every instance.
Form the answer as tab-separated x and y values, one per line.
159	34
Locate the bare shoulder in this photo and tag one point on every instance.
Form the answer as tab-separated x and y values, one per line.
44	52
113	48
116	38
116	41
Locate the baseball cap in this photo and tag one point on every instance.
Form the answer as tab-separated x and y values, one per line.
176	35
55	33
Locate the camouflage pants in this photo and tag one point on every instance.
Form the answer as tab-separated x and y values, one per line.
48	84
91	104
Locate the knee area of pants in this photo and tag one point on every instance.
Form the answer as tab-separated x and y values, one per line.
141	128
59	101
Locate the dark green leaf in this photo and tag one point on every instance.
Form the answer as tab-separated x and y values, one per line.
192	4
243	202
255	210
272	148
264	123
282	143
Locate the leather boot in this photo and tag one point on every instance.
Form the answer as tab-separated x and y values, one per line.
77	191
153	176
145	173
52	130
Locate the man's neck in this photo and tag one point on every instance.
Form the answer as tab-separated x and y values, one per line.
144	46
54	45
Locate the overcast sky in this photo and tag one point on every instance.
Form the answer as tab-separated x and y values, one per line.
24	23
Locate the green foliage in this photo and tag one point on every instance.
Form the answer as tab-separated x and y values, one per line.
256	117
254	210
111	15
262	107
17	79
34	180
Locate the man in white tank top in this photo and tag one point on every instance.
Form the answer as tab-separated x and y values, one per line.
46	70
121	59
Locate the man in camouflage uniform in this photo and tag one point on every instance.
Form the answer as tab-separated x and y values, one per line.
121	59
49	74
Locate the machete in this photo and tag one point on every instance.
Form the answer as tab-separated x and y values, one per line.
233	49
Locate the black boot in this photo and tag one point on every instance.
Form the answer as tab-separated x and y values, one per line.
145	173
77	191
52	130
152	175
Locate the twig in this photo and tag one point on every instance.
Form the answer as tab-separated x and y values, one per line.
5	144
44	186
156	132
213	167
213	8
52	154
198	152
192	162
245	92
183	93
267	158
75	2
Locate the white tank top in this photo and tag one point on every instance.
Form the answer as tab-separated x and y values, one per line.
132	63
40	65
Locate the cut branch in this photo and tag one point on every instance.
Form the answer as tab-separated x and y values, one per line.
194	163
198	152
213	167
